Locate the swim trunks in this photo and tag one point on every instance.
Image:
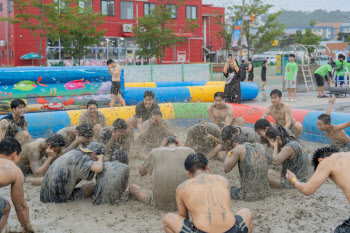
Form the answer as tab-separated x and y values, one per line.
239	226
236	193
2	205
116	88
345	148
27	171
344	227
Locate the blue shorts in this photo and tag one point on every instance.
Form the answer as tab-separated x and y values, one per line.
340	79
2	205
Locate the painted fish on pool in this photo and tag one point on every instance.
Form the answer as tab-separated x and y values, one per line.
76	84
28	85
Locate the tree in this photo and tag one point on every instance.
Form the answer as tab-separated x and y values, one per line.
308	38
224	33
155	32
79	29
259	38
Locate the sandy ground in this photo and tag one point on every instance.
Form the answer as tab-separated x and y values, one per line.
282	211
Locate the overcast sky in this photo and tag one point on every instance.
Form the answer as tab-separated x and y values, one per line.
303	5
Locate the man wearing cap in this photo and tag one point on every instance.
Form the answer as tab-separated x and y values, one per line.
68	170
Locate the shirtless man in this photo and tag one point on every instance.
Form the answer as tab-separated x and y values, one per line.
115	71
10	174
153	132
207	198
34	151
12	122
114	137
282	114
76	136
166	163
92	116
328	164
59	183
113	180
143	113
335	133
253	168
221	113
204	138
289	152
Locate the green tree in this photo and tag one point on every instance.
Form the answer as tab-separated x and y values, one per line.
259	38
79	29
225	32
155	32
308	38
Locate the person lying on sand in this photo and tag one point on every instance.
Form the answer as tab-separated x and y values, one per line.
282	114
221	113
113	180
10	174
327	164
253	168
68	170
34	151
289	152
335	133
166	165
207	198
77	136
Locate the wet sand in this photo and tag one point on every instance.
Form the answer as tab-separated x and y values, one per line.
283	211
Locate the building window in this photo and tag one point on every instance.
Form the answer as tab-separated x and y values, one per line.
11	54
173	9
0	7
126	10
191	12
107	7
2	55
85	6
148	8
9	6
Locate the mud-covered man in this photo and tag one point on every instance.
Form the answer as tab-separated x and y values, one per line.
12	122
79	136
92	116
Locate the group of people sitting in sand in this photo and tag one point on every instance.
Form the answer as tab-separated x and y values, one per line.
182	180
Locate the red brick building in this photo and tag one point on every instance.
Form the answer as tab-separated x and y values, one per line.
118	42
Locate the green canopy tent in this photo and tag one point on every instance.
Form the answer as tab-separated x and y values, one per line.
31	56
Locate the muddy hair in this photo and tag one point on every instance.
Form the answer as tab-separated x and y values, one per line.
56	140
323	153
278	130
262	124
85	130
109	61
119	124
228	131
325	118
238	138
9	145
120	156
219	94
17	103
92	102
199	131
171	140
196	161
276	92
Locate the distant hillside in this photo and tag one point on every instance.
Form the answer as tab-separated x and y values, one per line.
302	18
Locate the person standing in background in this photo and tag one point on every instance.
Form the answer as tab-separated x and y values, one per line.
263	74
290	77
243	69
233	81
250	70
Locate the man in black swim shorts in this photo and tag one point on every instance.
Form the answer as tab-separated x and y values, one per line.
115	71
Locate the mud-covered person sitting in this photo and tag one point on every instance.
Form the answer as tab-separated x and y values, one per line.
113	180
59	184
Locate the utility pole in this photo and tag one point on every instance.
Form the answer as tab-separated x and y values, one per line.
242	27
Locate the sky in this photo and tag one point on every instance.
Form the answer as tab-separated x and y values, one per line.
303	5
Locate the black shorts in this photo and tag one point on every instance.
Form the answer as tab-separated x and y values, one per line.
116	88
263	78
250	77
319	80
343	228
239	227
